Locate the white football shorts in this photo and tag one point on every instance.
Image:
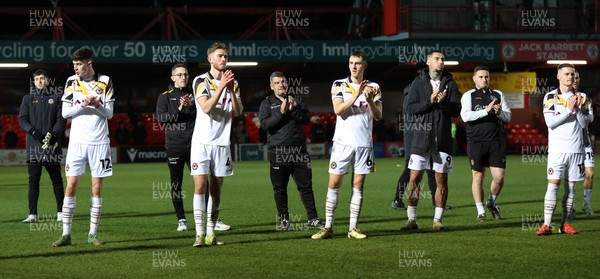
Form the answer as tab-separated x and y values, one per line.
589	157
96	155
565	165
343	155
441	161
211	159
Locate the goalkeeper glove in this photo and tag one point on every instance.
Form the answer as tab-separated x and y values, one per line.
50	142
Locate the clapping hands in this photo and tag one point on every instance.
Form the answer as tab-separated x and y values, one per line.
574	102
437	96
368	91
185	101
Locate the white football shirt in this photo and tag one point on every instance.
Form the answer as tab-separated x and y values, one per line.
355	126
565	128
88	125
213	128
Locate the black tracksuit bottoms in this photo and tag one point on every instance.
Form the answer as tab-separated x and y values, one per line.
302	175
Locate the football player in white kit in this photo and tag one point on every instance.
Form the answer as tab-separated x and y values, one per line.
356	102
88	100
566	118
217	97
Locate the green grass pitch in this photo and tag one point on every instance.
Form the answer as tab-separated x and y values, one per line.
138	223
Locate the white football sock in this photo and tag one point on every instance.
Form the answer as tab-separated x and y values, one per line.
199	204
68	211
550	203
95	212
437	216
355	206
480	209
212	213
411	212
587	195
330	206
567	202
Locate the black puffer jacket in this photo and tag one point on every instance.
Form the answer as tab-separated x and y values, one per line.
41	112
431	121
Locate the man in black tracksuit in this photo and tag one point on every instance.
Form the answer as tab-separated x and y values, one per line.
176	113
283	117
433	99
40	116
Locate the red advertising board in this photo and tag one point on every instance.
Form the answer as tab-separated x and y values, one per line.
541	51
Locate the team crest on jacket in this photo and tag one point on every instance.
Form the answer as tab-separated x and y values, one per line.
50	101
99	91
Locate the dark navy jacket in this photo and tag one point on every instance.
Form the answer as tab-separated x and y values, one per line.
431	121
42	110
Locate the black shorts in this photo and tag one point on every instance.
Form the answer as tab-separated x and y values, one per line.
486	154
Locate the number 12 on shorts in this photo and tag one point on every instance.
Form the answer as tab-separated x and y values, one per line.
106	165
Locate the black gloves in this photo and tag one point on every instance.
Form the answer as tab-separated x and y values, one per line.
36	134
52	140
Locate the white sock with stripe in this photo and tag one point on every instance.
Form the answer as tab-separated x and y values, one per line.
411	212
95	212
550	203
68	211
567	202
355	206
330	206
199	204
212	214
587	195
